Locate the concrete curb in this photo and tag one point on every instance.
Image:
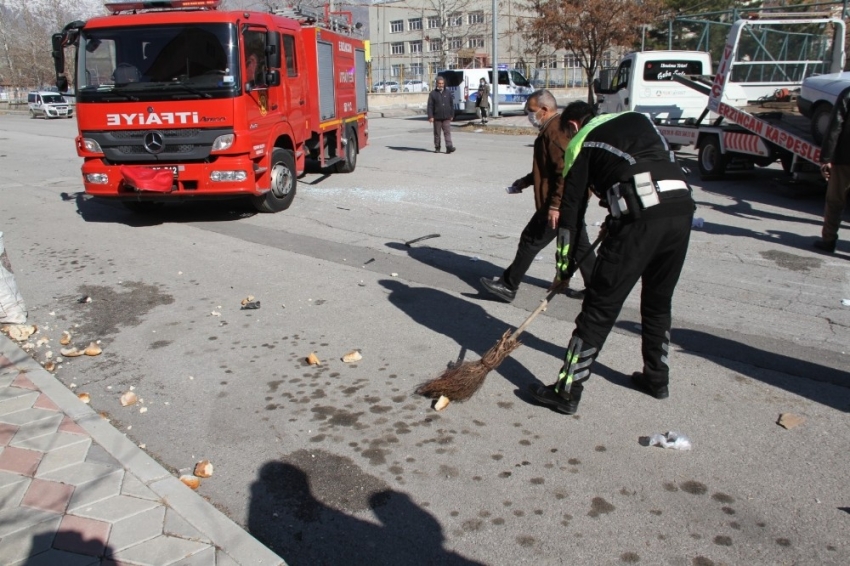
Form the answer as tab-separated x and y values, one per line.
228	537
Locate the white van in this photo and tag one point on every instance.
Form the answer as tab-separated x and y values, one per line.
514	88
644	83
49	105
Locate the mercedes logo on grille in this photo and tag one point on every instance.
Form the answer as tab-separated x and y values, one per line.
154	142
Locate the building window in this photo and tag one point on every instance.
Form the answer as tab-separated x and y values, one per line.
433	22
397	26
456	19
433	68
414	24
476	41
397	70
455	43
416	47
416	69
476	17
397	48
434	45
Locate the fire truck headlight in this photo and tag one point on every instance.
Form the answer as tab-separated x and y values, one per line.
91	145
97	178
223	142
219	176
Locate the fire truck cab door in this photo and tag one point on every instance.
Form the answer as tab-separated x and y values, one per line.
262	105
292	77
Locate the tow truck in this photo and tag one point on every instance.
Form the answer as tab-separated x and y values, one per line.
177	99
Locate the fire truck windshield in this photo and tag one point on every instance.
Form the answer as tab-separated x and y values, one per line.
149	63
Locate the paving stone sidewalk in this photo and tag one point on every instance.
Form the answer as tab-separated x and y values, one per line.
74	491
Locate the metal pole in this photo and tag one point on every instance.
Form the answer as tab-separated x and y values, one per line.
495	61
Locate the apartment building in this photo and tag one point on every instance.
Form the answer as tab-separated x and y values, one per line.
413	39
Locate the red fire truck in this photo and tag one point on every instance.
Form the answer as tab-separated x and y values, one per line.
177	99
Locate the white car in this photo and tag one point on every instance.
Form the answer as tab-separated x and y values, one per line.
415	86
49	105
388	86
817	97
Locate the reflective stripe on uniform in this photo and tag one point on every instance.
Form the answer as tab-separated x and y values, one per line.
575	145
610	148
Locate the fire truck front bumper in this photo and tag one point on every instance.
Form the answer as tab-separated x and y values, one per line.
234	176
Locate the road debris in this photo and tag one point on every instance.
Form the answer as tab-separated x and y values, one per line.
251	306
313	359
215	313
697	223
441	403
674	440
191	481
204	469
790	420
143	410
93	350
128	398
50	366
84	397
20	332
84	299
393	274
42	341
71	352
428	237
66	338
845	302
352	356
247	300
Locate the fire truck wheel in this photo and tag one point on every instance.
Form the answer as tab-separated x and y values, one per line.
712	162
350	162
283	182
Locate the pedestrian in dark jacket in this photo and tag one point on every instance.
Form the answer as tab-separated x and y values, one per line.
482	102
548	181
441	110
835	156
628	164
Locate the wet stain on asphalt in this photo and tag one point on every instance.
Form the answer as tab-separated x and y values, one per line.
693	487
783	542
598	506
670	486
525	540
159	344
630	557
791	261
723	498
110	308
723	540
702	561
728	510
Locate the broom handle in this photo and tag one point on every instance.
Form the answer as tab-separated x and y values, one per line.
551	295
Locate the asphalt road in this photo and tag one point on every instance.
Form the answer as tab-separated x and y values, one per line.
341	464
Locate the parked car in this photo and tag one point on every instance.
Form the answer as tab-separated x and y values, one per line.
386	86
48	105
817	97
415	86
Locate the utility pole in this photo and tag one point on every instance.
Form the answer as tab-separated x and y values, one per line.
495	60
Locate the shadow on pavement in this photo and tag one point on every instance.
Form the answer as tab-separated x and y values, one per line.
104	211
470	272
73	548
750	360
287	515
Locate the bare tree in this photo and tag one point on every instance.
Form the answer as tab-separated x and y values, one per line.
455	26
588	28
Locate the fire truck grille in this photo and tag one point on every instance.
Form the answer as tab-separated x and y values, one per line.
135	149
139	134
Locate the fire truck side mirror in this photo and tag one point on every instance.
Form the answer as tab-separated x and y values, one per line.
273	78
273	49
59	61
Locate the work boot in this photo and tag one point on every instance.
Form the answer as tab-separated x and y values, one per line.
450	149
563	402
641	382
498	288
436	150
575	293
826	245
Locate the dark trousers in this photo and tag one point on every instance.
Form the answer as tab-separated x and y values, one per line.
653	252
536	236
444	126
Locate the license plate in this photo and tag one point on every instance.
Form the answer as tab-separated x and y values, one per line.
172	168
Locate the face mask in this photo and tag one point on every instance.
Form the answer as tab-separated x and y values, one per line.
532	117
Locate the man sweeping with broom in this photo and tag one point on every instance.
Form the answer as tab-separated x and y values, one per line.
627	164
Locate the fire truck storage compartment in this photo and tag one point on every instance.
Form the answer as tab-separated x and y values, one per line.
360	79
327	96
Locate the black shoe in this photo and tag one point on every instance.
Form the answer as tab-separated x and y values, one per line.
563	403
641	382
826	246
450	149
436	150
498	288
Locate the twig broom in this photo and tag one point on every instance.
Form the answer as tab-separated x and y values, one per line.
462	381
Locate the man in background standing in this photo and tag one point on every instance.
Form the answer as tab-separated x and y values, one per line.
441	110
547	178
835	156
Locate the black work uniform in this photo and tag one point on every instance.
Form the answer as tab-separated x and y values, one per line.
647	244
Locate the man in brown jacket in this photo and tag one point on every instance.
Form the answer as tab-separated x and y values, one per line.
547	178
